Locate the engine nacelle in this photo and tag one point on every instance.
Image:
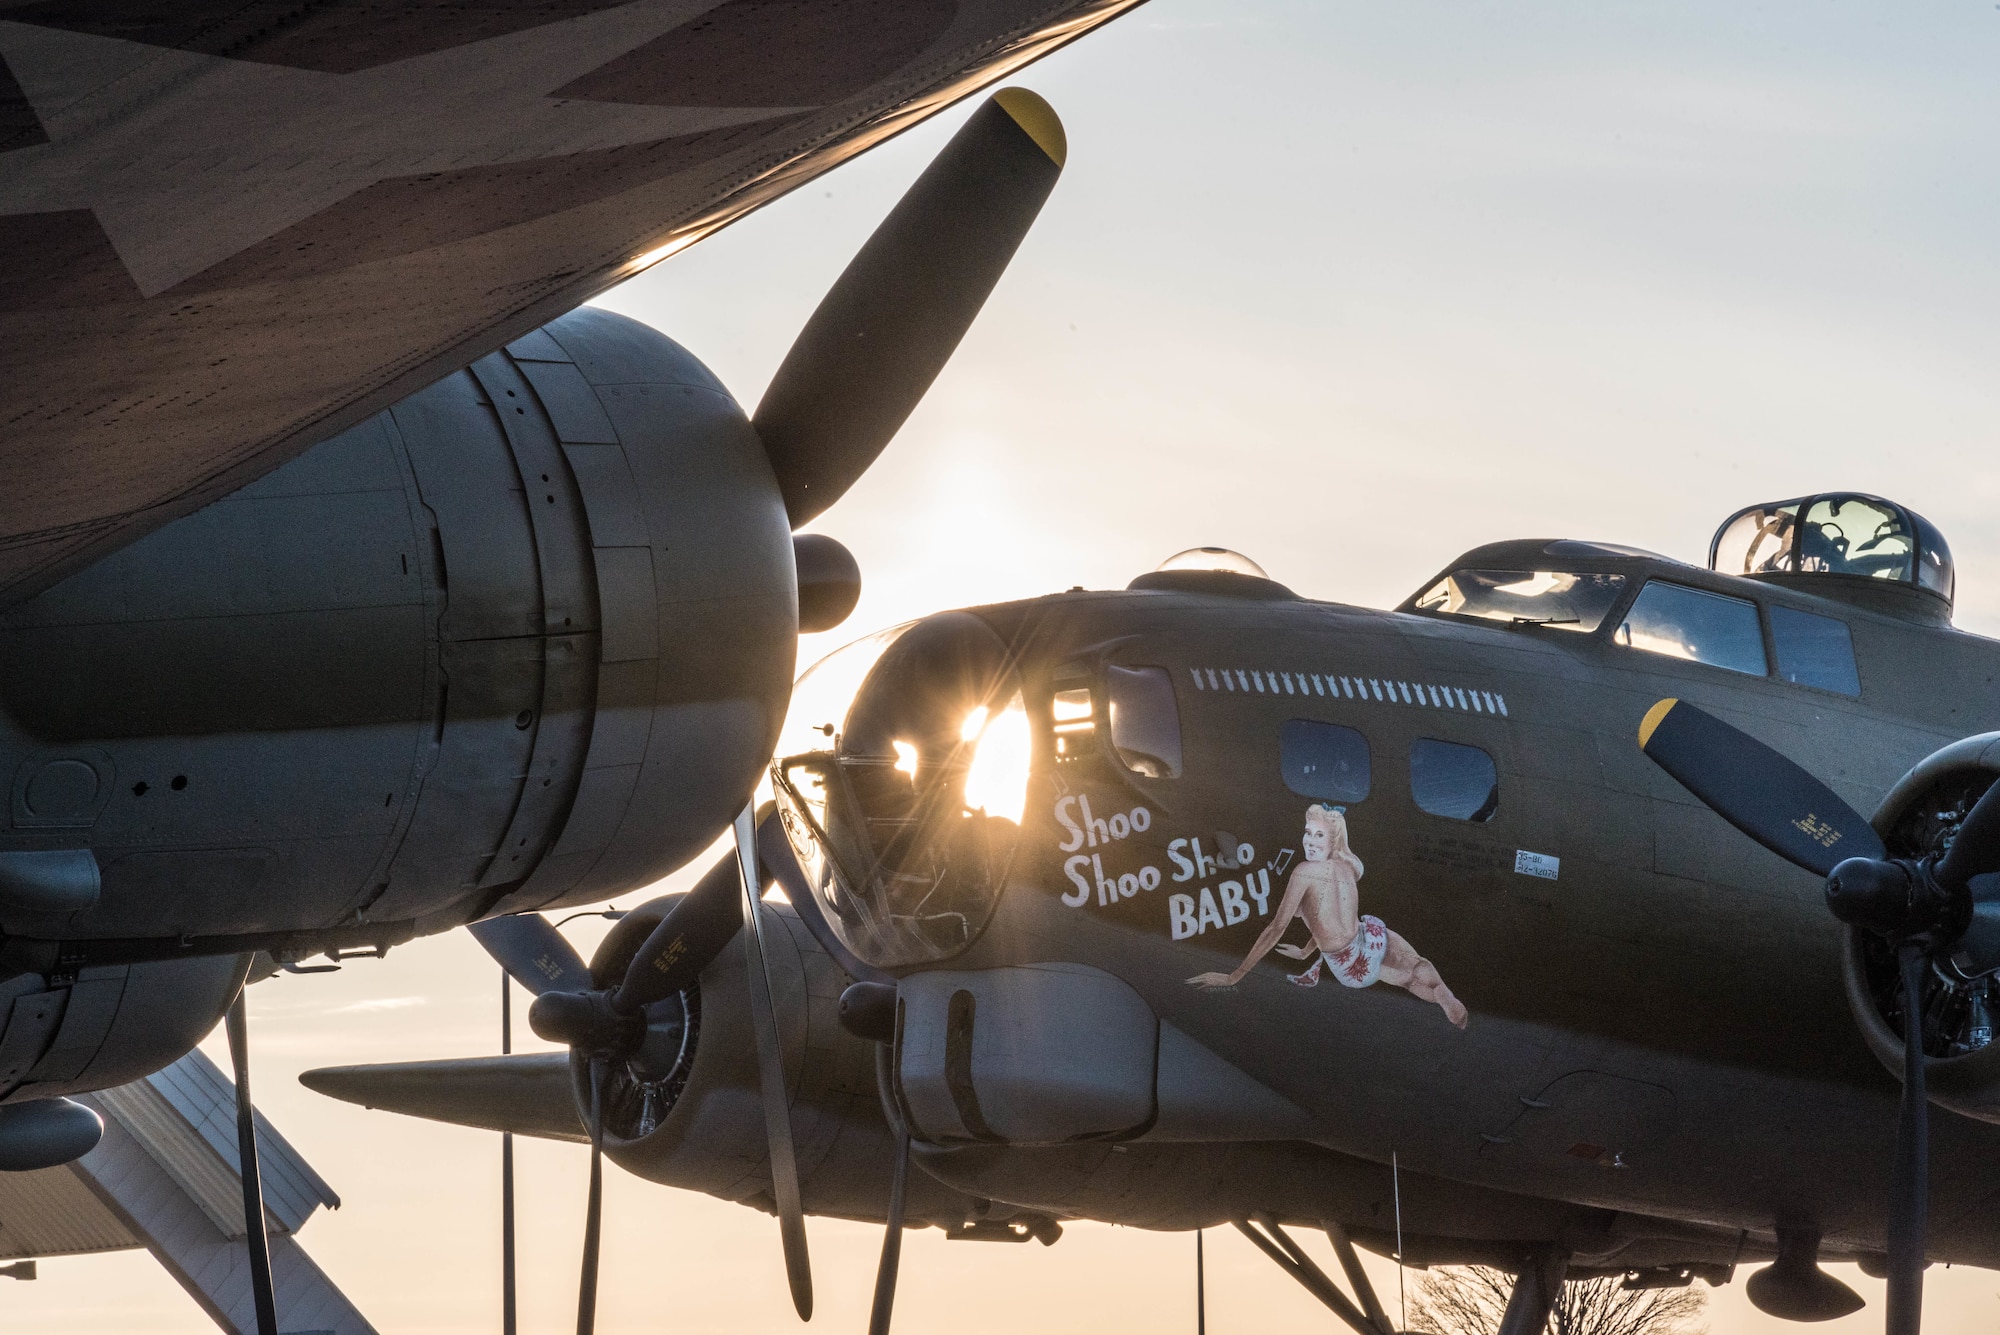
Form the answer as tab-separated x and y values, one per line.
690	1115
1917	819
522	640
108	1025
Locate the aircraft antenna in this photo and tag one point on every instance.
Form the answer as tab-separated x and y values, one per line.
1200	1289
1396	1187
508	1315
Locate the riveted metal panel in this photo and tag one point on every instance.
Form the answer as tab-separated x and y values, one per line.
493	694
93	1004
555	766
467	478
571	403
536	347
631	603
554	507
31	1024
600	808
610	497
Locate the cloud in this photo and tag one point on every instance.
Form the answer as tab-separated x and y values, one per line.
378	1004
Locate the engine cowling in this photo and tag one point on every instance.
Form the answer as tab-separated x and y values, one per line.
686	1111
1917	819
107	1025
522	640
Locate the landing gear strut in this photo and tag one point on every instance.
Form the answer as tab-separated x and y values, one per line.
1363	1312
1537	1285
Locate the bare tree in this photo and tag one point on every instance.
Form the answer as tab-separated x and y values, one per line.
1468	1300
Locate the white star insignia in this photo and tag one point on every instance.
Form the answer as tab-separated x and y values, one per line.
189	159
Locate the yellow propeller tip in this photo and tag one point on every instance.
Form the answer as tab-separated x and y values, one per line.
1653	718
1037	119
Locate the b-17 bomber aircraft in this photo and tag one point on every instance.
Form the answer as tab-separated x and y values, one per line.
520	640
1530	923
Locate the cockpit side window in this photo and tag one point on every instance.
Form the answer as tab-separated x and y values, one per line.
1814	651
1324	760
1696	625
1449	779
1562	599
1145	721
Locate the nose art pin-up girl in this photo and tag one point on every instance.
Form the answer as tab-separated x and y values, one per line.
1356	948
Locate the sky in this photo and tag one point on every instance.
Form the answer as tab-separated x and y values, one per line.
1350	287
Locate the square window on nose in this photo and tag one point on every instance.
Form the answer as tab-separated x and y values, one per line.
1324	760
1145	722
1448	779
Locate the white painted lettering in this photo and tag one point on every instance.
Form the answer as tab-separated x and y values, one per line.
1180	916
1183	869
1128	885
1259	887
1072	869
1149	878
1075	840
1234	910
1121	826
1095	829
1142	819
1207	915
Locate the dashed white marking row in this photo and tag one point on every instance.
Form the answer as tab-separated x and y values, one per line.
1256	681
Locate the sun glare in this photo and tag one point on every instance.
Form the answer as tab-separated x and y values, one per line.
906	758
997	782
975	723
1537	584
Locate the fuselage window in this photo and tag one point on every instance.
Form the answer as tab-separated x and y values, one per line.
1696	625
1814	651
1074	722
1448	779
1145	722
1324	760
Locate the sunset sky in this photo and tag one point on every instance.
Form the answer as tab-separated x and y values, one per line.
1351	287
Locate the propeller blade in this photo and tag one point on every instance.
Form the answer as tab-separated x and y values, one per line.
894	317
892	1241
261	1293
593	1210
771	1074
1976	849
1756	789
1909	1202
533	953
685	942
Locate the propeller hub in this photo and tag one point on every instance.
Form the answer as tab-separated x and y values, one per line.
1869	892
1896	899
587	1022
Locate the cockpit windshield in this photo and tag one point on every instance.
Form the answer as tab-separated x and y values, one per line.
1562	599
901	777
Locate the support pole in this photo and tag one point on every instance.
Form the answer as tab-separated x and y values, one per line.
1357	1278
509	1315
1200	1288
1286	1254
1536	1288
238	1025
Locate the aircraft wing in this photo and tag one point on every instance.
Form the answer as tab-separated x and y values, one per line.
235	227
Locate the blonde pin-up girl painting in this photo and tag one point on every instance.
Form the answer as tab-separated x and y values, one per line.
1356	948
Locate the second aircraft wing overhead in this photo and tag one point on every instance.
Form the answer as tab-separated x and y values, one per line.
233	233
